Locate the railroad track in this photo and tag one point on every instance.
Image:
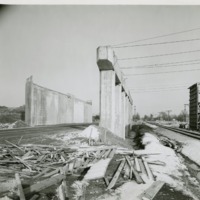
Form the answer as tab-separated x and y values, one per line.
192	134
28	131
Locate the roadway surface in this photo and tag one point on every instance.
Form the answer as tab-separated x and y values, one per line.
29	132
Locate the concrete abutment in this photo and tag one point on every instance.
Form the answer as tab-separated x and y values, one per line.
45	107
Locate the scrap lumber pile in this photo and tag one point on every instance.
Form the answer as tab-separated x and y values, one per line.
33	168
170	143
32	171
133	167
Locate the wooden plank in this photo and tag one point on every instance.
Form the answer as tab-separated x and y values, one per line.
107	153
127	171
41	173
102	153
19	186
152	191
51	173
157	162
34	197
106	181
37	187
112	153
60	192
143	171
145	152
24	163
137	176
149	173
64	183
116	176
137	166
15	146
66	189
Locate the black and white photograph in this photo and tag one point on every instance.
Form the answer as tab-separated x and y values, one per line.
99	101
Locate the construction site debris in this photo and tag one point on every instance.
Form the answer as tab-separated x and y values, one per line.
34	168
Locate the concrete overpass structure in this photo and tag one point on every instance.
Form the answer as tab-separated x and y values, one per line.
115	100
44	106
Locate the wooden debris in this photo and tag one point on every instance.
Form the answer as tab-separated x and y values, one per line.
61	192
137	166
65	188
137	176
34	197
44	184
51	173
45	166
20	140
19	186
106	181
144	153
15	146
157	162
149	173
116	176
40	174
152	191
143	171
112	153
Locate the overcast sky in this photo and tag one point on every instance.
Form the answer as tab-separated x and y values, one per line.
57	45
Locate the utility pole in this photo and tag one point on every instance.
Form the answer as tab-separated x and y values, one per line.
185	111
168	111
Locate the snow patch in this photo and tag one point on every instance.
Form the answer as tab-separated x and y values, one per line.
90	132
173	172
191	150
125	192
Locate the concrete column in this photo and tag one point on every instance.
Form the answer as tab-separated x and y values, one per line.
126	116
123	100
118	89
107	99
130	114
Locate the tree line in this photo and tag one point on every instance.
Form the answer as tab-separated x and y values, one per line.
182	116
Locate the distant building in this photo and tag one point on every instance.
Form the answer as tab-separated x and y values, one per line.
194	107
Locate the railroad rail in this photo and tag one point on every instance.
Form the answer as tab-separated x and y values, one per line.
189	133
28	131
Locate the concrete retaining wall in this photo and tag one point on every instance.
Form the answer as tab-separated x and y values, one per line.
44	106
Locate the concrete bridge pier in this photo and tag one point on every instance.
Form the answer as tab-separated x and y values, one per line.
118	90
115	99
107	99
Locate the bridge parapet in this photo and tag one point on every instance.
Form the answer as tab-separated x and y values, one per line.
115	99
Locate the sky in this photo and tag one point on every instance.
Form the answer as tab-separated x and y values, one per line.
56	44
